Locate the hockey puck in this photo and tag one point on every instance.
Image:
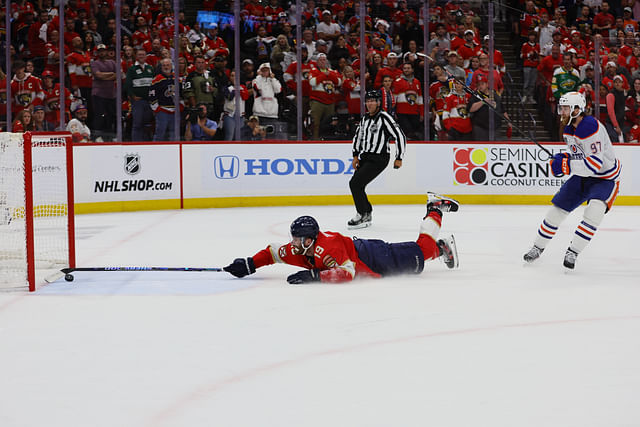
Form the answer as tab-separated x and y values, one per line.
68	277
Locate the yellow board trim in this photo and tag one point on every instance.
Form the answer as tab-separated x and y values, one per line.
396	199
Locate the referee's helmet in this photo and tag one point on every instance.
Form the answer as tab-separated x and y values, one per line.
373	94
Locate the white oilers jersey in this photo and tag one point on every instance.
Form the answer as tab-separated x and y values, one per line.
591	151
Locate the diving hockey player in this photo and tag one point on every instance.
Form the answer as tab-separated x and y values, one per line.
595	173
333	258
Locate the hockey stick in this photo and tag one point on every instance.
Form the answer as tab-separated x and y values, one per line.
481	98
69	277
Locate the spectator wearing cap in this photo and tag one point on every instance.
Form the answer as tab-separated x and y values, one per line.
252	131
77	126
587	73
566	78
469	48
265	88
439	45
137	84
322	48
40	124
328	30
409	103
555	41
604	20
530	61
630	24
616	101
498	59
391	69
213	41
220	74
458	38
200	87
382	32
453	67
480	112
325	85
103	92
611	70
51	100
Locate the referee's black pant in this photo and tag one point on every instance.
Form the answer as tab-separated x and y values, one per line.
371	165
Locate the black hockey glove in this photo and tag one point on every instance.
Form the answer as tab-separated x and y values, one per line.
304	276
241	267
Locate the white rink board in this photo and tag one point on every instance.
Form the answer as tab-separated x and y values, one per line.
221	170
126	172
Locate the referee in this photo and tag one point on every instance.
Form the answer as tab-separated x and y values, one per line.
371	152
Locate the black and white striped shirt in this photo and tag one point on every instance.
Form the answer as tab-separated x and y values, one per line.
374	133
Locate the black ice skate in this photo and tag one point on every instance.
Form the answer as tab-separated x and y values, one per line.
570	259
441	203
533	254
448	251
359	221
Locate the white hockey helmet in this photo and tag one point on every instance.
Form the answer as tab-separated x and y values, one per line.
573	100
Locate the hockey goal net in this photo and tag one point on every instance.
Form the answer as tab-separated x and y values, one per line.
36	207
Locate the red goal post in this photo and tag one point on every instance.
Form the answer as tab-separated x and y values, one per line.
37	228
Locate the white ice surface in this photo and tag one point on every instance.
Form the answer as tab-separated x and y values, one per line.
493	343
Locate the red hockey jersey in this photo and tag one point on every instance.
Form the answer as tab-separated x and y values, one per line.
408	96
79	66
335	256
324	85
455	114
26	92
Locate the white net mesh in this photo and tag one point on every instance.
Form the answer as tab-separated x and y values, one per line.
50	208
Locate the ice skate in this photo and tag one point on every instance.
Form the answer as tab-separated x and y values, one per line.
442	203
448	251
570	259
533	254
359	221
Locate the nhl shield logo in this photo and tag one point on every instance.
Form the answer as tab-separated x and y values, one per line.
132	163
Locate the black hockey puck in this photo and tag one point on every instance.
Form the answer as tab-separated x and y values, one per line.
68	277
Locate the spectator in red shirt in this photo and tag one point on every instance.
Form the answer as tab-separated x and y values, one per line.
325	84
392	69
604	21
531	59
37	45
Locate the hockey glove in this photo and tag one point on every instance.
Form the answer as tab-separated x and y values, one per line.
560	164
304	276
241	267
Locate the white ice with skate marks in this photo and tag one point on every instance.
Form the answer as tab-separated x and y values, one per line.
493	343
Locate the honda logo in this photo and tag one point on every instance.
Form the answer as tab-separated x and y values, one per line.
226	167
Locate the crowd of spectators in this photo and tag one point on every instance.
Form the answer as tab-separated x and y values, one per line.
559	55
557	40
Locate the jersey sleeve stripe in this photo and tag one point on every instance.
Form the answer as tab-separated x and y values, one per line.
586	163
596	162
612	173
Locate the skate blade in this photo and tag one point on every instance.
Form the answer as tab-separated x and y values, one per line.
359	226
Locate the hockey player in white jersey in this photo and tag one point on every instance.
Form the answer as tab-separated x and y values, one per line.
594	177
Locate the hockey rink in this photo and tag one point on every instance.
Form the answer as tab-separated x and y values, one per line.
493	343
